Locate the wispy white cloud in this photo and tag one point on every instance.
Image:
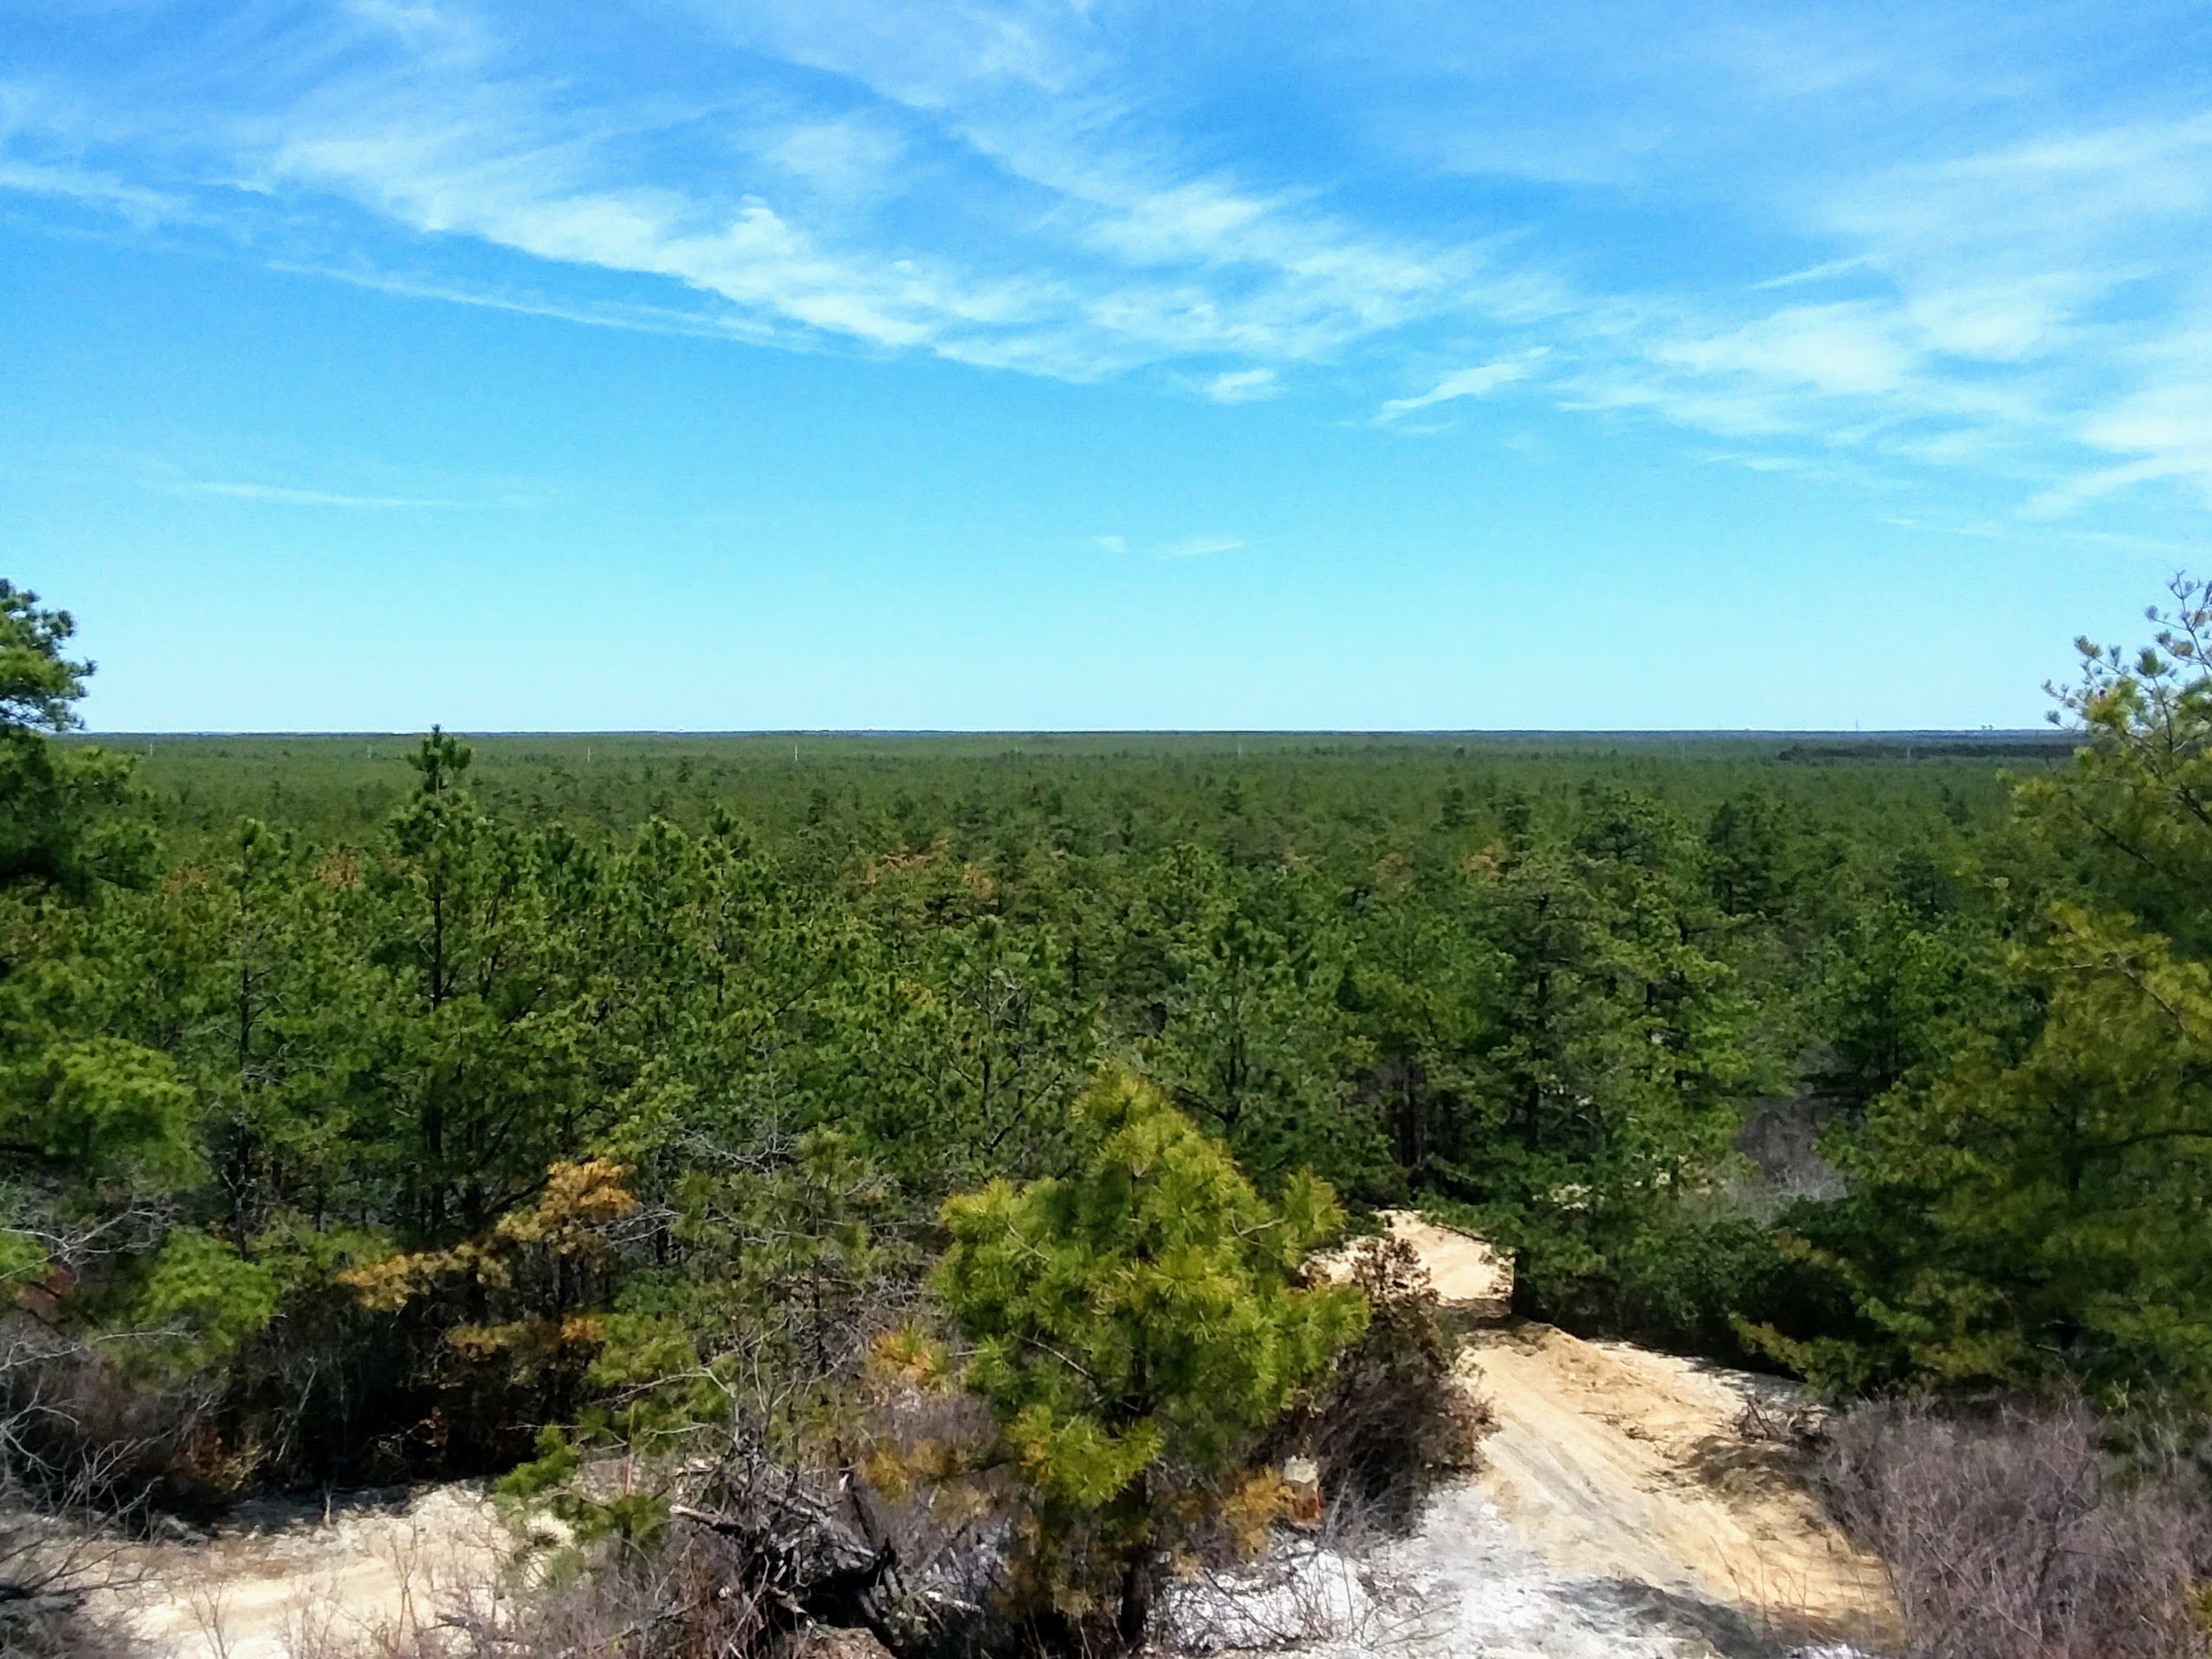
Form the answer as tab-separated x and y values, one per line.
1827	271
494	173
90	187
2011	531
2163	432
1117	254
1940	248
437	28
287	495
1760	460
629	316
1841	350
1183	547
1242	385
1481	381
848	155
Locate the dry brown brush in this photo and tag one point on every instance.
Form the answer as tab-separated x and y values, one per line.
2029	1531
1394	1419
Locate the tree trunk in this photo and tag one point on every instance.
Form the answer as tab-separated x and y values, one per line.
1139	1580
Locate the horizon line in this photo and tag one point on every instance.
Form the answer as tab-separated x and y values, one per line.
801	731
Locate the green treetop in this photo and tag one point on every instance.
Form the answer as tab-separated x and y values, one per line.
38	685
1135	1325
57	828
2034	1209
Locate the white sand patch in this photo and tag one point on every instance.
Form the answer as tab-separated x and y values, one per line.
1464	1584
283	1579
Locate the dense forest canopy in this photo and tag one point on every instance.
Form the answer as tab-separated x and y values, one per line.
375	1107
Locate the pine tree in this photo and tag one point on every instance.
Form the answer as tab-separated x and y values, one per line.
2034	1209
62	825
1254	1036
1135	1324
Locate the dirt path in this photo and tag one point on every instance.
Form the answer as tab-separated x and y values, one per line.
287	1581
1629	1467
1623	1463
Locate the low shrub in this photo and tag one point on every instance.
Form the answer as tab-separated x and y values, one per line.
2020	1532
63	1627
1392	1418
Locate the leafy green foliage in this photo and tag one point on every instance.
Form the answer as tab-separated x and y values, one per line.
199	1300
59	809
1609	1079
2032	1207
100	1107
1136	1324
39	686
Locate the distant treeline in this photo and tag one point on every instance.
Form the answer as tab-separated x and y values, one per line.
1163	784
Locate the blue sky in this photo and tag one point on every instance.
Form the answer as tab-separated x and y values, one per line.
833	363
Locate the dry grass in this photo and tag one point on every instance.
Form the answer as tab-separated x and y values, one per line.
2025	1532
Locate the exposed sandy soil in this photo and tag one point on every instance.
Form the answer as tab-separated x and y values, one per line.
1622	1513
283	1581
1473	1280
1616	1462
1621	1464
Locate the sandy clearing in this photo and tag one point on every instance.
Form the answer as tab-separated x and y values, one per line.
1473	1279
1619	1493
281	1579
1624	1463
